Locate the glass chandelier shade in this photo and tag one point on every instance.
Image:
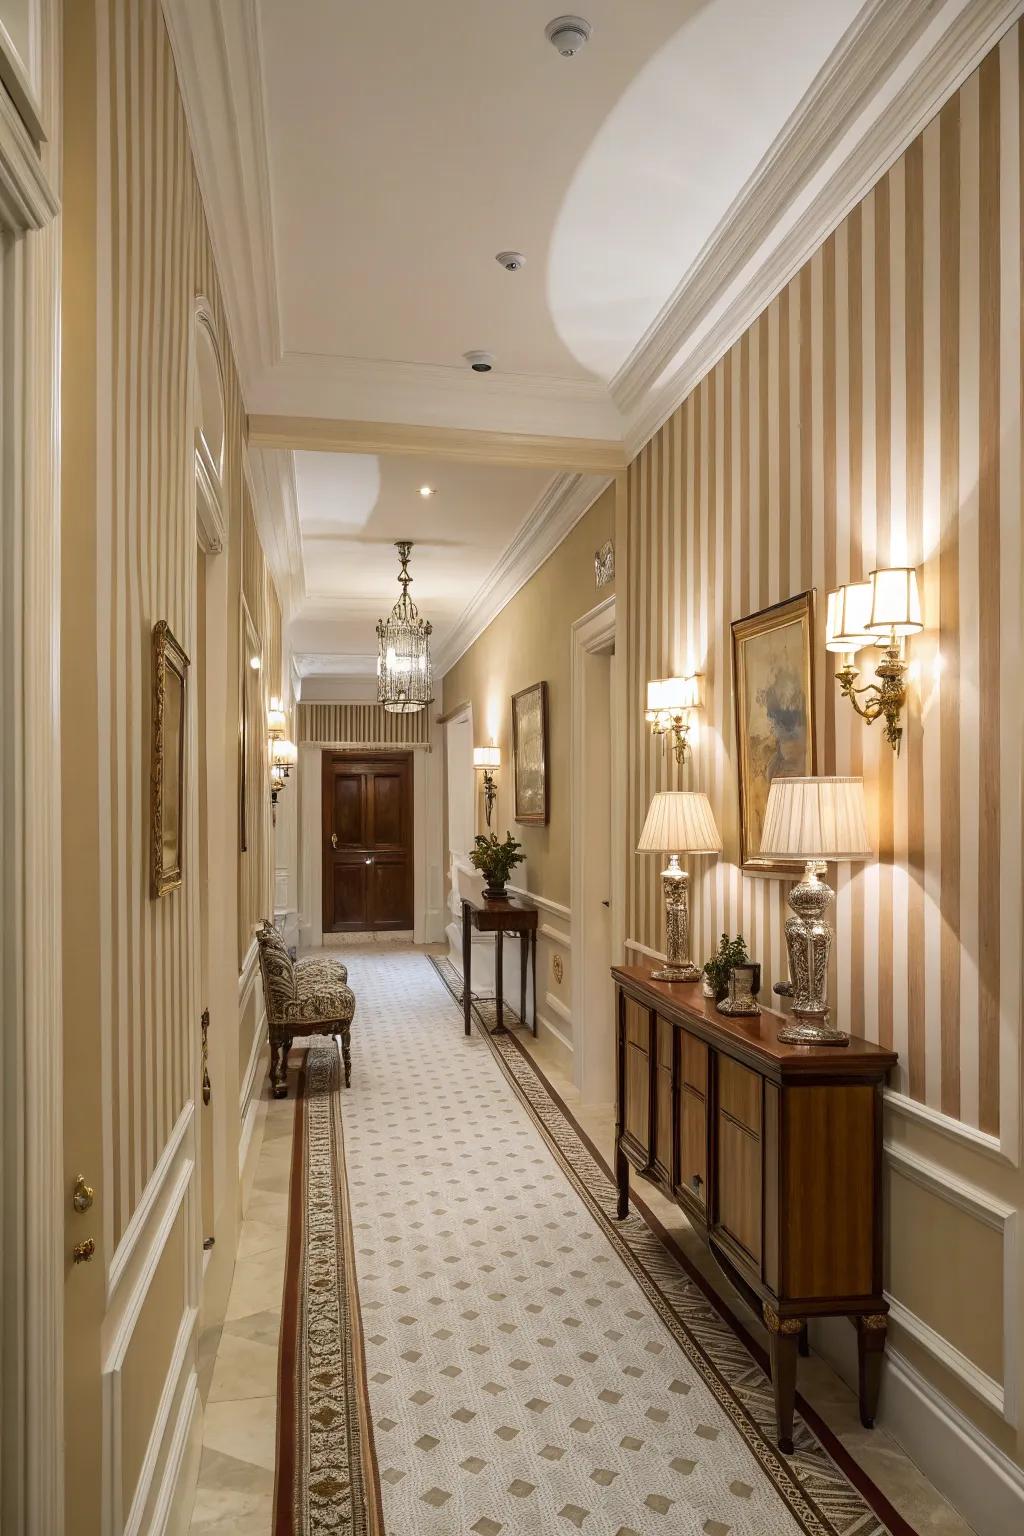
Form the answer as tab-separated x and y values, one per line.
403	650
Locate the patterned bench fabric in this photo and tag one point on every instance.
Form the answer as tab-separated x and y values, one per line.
302	997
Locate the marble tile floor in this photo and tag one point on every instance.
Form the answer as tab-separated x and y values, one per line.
238	1360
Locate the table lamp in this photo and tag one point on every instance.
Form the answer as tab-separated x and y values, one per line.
813	820
678	822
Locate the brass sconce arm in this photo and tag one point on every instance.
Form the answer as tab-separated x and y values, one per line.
490	793
886	696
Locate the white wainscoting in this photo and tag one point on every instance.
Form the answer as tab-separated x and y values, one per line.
251	1004
170	1194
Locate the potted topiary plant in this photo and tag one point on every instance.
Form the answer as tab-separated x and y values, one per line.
495	861
730	952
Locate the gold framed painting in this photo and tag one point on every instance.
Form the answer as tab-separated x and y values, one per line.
530	754
167	764
773	685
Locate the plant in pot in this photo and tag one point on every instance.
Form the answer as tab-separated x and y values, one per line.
496	861
730	952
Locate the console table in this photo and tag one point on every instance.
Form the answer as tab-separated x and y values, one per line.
774	1153
499	917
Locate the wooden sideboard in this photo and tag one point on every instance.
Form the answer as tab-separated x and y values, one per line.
774	1153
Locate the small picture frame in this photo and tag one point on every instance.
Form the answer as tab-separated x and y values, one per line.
530	754
167	764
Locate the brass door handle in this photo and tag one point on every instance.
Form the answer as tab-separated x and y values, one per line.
81	1253
369	861
334	839
82	1195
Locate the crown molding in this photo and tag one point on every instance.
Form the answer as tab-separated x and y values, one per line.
271	478
557	512
218	53
325	435
333	664
896	66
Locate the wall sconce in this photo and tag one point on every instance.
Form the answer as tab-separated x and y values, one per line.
670	702
283	753
488	758
277	723
881	611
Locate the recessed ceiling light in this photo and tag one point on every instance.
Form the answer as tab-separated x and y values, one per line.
480	362
512	261
427	490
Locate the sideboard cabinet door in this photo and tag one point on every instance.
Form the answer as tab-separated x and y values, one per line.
739	1157
637	1119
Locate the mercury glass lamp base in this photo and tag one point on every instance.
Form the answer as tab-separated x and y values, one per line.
808	1033
676	973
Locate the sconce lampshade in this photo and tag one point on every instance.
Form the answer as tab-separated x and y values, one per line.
819	818
846	618
680	821
895	602
283	753
673	695
486	757
276	722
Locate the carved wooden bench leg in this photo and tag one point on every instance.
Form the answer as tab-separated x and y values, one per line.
346	1053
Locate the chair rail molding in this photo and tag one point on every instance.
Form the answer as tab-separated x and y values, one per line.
32	1201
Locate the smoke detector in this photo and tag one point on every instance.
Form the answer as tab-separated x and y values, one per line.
480	362
568	34
512	261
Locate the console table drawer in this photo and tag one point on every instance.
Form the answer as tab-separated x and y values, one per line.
739	1093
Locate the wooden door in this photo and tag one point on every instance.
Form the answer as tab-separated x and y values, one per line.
368	860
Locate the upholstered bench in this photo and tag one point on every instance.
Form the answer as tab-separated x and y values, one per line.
303	997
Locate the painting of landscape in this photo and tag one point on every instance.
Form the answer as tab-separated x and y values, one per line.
774	711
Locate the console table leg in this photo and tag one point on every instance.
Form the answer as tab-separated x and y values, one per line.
499	981
805	1343
524	945
622	1180
533	964
783	1347
871	1331
467	950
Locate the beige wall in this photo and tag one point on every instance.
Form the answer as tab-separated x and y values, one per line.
137	254
528	643
871	416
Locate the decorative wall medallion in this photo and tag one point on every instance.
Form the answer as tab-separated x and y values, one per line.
604	564
557	968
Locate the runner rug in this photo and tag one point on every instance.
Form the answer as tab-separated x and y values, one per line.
532	1365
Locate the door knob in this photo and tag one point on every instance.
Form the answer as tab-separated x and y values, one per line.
369	861
82	1195
81	1253
334	839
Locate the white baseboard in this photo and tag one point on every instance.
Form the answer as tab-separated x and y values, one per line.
965	1466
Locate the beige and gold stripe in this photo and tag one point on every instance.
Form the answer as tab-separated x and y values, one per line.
871	415
152	224
361	725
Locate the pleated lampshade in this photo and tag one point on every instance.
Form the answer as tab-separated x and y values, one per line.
680	821
819	818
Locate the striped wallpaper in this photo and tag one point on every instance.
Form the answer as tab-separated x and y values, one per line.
151	224
361	725
871	415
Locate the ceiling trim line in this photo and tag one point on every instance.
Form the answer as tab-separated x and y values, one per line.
467	445
746	288
563	503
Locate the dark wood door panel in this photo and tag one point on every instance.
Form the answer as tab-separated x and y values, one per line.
693	1145
738	1185
367	842
638	1095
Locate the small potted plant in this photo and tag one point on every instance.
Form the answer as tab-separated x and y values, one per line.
730	952
495	861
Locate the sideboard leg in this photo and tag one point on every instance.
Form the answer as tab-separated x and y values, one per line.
622	1180
805	1343
783	1347
871	1331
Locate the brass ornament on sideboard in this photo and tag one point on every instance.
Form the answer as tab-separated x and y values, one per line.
167	762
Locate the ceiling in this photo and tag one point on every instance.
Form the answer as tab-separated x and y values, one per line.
361	166
352	509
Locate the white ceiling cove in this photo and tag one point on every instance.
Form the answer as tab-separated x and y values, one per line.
362	164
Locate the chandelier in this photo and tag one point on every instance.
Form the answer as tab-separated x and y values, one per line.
403	661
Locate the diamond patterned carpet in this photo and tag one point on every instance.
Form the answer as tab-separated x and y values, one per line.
530	1365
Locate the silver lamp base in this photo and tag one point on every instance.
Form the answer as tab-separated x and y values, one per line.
809	943
675	886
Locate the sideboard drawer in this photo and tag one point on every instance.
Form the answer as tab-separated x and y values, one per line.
739	1093
666	1036
638	1025
695	1063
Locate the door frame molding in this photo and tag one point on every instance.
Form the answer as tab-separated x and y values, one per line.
32	1134
592	634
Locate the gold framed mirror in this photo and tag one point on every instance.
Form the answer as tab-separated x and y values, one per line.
167	769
